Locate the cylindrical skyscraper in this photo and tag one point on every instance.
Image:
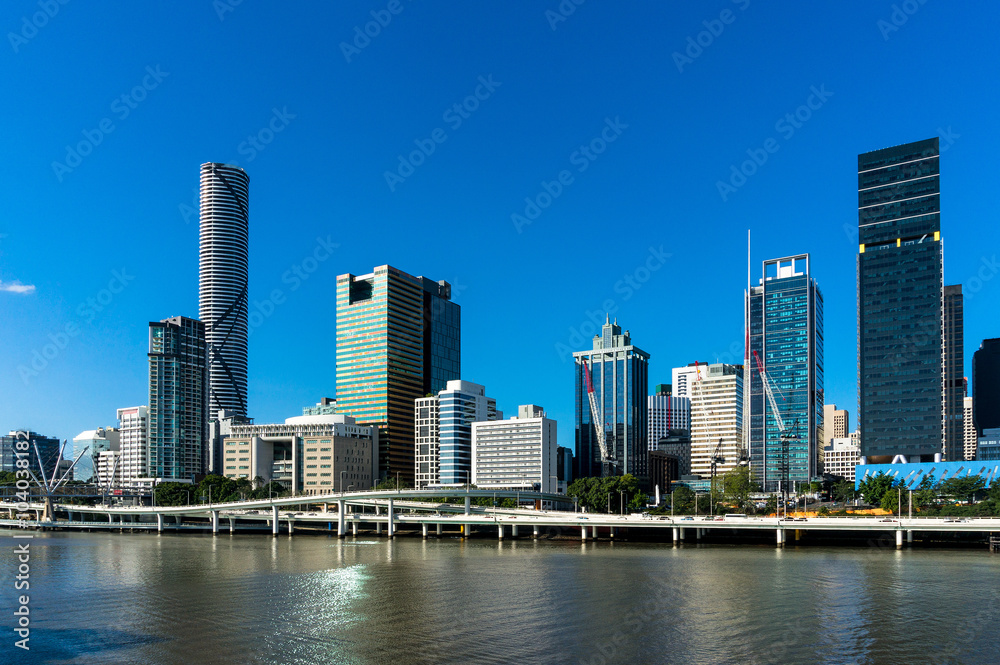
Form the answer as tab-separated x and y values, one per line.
223	277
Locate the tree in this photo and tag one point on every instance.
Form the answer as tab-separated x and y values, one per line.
963	488
7	478
737	486
925	494
873	488
596	494
174	494
390	484
843	491
894	498
683	500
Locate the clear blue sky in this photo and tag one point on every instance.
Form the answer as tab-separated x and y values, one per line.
679	125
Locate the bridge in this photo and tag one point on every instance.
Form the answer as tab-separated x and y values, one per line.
389	510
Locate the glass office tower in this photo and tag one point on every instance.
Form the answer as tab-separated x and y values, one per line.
953	373
398	339
178	398
986	386
900	303
619	374
786	335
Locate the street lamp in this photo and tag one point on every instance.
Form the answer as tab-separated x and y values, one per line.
342	481
609	503
397	481
621	501
189	496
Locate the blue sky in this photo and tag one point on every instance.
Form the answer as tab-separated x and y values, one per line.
110	107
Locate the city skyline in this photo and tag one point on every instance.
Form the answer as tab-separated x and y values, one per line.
98	286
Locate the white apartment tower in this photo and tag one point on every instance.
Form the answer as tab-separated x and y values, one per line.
717	416
133	434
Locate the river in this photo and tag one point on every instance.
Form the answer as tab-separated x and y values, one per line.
100	598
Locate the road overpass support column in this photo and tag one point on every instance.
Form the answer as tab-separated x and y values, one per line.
697	534
159	522
215	522
899	538
439	529
291	528
341	531
424	525
392	516
354	527
499	531
593	532
468	505
109	518
583	533
274	520
513	531
677	535
232	525
909	536
780	539
534	532
378	528
681	534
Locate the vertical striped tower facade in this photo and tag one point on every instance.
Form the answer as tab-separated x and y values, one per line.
223	279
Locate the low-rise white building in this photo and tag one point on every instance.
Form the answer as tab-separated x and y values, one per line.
516	454
841	456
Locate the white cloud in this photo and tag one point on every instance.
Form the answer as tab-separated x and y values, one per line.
17	287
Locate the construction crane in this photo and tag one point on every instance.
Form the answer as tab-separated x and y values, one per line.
783	435
717	459
766	381
595	417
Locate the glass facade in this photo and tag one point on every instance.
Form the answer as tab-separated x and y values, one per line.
619	373
900	301
786	335
953	377
178	398
392	328
986	386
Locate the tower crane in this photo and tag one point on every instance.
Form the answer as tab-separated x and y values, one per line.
595	417
765	379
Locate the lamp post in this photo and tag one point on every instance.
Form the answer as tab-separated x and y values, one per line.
342	481
671	506
621	501
609	503
189	496
696	504
397	481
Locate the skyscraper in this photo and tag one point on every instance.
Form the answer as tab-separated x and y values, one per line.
953	373
900	303
443	432
619	373
986	386
398	339
178	398
223	279
786	338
